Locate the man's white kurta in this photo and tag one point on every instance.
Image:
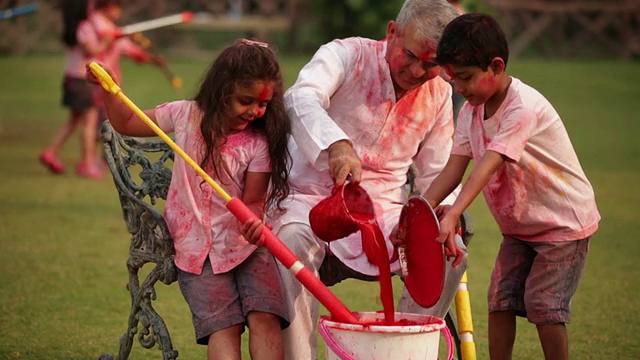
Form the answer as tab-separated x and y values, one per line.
352	97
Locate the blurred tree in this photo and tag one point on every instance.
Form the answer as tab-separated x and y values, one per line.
344	18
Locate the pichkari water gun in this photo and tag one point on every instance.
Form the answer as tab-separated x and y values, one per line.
164	21
145	43
18	10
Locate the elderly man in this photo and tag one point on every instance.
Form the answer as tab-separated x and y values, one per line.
367	110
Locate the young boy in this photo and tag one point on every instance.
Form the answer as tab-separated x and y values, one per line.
532	182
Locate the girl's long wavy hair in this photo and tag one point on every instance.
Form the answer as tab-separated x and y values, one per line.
242	64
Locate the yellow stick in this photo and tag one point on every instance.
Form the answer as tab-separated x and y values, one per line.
465	324
108	84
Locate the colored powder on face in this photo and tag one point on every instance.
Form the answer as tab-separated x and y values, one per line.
450	72
264	93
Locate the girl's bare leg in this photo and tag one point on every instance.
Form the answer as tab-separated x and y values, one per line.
225	344
66	130
89	146
49	156
265	336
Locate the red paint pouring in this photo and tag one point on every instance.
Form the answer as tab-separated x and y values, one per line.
375	248
346	211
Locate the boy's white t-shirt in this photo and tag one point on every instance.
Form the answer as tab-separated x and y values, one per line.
196	214
541	192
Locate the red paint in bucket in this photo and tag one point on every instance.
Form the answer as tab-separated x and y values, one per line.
347	210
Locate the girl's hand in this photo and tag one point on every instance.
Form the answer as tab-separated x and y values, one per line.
448	231
94	80
251	230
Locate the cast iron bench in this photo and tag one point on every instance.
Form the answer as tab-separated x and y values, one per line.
151	242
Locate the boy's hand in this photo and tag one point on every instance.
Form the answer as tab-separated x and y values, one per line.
442	210
251	230
447	237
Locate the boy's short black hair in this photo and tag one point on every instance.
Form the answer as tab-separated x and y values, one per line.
472	39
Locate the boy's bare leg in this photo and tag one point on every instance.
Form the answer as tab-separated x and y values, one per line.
554	340
265	336
502	334
225	344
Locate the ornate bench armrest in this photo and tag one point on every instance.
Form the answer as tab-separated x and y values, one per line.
151	241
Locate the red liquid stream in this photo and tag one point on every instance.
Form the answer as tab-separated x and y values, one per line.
375	248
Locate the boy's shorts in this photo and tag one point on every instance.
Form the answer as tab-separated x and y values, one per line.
78	94
537	280
219	301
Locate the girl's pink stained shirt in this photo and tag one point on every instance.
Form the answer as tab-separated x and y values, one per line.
541	192
346	92
196	214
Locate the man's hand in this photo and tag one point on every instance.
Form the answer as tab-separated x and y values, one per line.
343	161
397	236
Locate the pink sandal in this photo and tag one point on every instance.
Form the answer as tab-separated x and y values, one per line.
89	172
49	159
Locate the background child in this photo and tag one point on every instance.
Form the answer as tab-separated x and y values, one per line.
90	33
102	20
532	182
237	129
82	45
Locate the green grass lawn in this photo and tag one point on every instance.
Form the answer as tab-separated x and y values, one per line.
63	243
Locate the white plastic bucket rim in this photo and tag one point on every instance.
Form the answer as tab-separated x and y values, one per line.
372	325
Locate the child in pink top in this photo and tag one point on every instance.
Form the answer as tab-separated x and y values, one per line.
103	19
82	45
89	34
236	128
532	182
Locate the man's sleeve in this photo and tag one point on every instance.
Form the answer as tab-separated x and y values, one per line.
308	100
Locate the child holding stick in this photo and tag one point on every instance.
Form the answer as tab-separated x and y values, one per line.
237	129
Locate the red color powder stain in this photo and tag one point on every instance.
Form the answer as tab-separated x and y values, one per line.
449	71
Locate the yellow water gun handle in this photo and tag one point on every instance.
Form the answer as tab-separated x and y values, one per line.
105	79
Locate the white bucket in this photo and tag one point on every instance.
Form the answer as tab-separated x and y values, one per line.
414	337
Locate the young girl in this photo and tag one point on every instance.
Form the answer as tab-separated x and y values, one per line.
89	34
237	129
82	45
